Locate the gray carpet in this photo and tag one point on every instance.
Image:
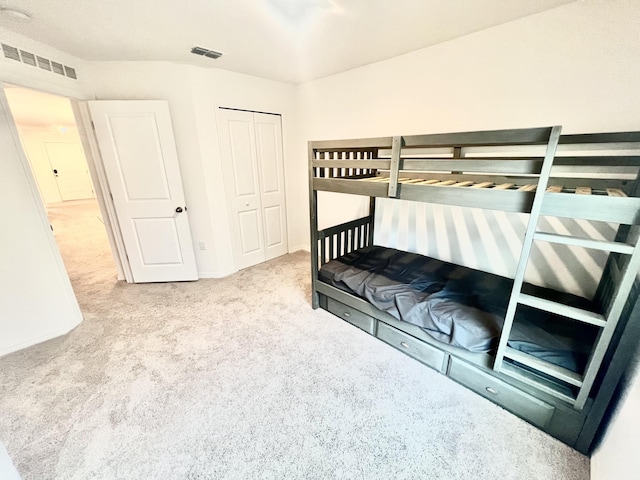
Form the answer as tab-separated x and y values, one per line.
239	378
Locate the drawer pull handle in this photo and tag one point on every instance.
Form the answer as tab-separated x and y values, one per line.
347	314
492	391
404	344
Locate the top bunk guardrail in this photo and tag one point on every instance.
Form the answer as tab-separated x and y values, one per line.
593	176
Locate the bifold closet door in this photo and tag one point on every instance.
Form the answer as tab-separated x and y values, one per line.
251	145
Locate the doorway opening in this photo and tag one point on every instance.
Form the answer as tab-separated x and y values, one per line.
51	143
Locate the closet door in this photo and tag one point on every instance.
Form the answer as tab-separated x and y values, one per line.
270	165
251	147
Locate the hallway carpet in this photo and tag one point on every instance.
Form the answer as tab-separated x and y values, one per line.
238	378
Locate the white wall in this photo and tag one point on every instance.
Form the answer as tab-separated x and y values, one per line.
617	457
35	140
193	94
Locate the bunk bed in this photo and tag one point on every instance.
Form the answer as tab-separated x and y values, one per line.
553	358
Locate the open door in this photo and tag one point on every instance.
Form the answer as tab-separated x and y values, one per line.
138	151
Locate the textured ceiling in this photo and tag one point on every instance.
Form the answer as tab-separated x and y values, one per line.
287	40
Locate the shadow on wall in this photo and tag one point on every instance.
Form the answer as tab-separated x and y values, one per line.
491	241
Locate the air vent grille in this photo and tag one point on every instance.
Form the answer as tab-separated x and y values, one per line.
206	52
36	61
70	72
28	58
44	63
57	68
10	52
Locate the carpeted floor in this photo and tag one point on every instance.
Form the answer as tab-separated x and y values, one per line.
238	378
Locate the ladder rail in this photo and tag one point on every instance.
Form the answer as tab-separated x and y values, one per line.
613	316
543	181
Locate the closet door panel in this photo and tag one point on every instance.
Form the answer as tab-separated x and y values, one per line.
242	179
268	130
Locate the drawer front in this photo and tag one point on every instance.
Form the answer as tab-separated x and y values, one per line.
522	404
412	346
351	315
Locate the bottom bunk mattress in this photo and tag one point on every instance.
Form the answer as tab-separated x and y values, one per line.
460	306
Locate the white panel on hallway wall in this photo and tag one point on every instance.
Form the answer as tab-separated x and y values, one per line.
490	240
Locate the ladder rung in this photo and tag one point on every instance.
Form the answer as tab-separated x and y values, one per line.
617	247
561	309
520	375
555	371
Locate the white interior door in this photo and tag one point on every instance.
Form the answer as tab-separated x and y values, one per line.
70	170
271	167
251	145
238	145
141	164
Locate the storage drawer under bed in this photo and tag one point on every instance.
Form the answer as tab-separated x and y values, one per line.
522	404
413	347
351	315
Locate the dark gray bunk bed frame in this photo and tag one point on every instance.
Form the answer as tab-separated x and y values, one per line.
591	177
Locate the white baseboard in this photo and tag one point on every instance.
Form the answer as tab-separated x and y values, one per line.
304	248
595	471
34	341
216	274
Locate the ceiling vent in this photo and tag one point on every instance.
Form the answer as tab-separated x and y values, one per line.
28	58
206	52
11	52
44	63
36	61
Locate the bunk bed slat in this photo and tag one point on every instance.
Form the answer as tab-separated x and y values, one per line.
381	164
522	136
617	247
360	144
482	185
462	184
372	189
615	192
498	165
583	190
499	199
504	186
555	371
562	309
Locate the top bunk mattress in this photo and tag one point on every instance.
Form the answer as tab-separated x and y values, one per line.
460	306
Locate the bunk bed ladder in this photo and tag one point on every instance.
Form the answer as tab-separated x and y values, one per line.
624	250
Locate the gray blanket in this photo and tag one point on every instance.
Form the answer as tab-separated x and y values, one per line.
456	305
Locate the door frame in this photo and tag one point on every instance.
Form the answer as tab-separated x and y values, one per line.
96	171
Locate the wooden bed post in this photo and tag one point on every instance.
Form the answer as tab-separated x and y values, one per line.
372	220
313	221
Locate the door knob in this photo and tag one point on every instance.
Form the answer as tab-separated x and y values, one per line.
179	210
